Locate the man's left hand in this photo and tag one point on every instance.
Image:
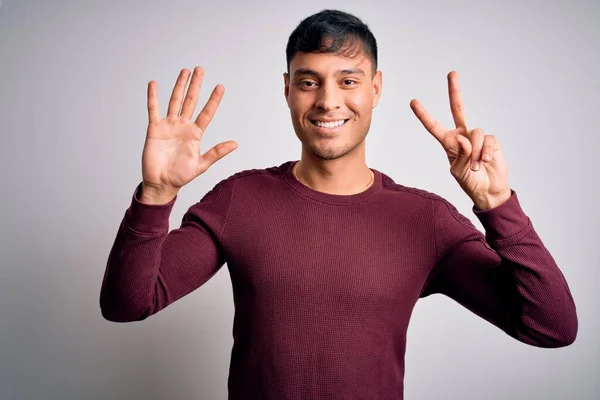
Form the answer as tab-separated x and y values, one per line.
476	160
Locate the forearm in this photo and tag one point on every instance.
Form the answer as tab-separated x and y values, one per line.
545	311
130	280
506	276
149	267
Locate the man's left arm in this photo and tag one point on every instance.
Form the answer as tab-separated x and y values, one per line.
508	277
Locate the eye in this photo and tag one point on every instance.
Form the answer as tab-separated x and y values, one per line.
349	82
306	84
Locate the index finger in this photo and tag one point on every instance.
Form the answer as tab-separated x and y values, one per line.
210	108
430	123
456	104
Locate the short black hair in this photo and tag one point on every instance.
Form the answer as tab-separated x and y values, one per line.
332	31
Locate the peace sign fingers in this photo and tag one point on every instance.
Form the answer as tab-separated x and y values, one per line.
456	104
431	124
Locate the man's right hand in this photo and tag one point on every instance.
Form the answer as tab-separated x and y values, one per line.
171	156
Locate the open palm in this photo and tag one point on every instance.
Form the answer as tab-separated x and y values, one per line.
172	156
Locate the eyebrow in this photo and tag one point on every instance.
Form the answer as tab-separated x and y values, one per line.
308	71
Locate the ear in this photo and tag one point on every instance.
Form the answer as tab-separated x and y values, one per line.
286	84
377	86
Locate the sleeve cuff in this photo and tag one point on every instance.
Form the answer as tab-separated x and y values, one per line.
504	221
148	218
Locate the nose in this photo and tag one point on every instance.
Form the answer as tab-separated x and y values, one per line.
329	98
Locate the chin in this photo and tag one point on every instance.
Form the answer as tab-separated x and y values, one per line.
331	151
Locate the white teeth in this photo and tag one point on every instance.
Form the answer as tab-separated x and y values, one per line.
331	124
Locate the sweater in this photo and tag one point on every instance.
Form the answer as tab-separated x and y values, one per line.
324	285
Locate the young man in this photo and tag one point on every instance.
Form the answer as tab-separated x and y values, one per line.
328	257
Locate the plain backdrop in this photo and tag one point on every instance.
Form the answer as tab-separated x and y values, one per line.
73	78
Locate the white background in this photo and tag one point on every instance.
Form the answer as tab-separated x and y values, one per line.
73	78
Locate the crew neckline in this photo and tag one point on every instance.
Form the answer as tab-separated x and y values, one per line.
328	197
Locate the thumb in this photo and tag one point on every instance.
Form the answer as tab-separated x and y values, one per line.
463	158
214	154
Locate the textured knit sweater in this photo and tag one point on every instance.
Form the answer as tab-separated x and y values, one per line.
324	285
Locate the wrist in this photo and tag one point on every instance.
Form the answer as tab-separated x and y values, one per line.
155	195
487	202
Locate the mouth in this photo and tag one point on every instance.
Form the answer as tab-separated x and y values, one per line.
329	126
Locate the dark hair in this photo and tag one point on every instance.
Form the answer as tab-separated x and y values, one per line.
332	31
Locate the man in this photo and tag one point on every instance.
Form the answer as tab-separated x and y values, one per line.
328	257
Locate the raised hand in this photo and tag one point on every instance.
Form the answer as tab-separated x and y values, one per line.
171	156
476	160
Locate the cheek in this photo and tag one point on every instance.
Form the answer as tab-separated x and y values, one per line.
298	104
359	101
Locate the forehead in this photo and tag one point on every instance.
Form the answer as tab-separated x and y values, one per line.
329	63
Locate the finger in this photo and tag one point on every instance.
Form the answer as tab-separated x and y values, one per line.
215	154
209	110
490	145
177	93
476	137
191	98
430	123
153	110
456	104
462	161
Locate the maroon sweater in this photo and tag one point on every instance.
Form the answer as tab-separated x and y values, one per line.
324	285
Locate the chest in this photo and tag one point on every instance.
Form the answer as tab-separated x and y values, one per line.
332	258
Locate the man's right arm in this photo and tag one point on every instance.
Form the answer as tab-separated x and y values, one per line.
149	267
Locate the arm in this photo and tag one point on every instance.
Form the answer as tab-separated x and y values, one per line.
149	267
507	277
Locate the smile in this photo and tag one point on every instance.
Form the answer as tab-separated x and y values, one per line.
329	124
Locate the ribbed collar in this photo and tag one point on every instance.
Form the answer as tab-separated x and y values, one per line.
327	197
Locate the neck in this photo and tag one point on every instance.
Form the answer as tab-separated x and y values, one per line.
342	176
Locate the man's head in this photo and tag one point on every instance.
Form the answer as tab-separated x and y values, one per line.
332	76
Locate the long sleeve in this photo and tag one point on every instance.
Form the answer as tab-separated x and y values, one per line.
149	267
324	285
506	276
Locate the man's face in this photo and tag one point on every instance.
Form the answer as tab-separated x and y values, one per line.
331	98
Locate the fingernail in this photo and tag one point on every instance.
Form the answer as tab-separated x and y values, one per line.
475	165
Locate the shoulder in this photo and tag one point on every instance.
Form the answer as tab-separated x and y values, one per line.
258	173
440	206
249	178
411	193
275	171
